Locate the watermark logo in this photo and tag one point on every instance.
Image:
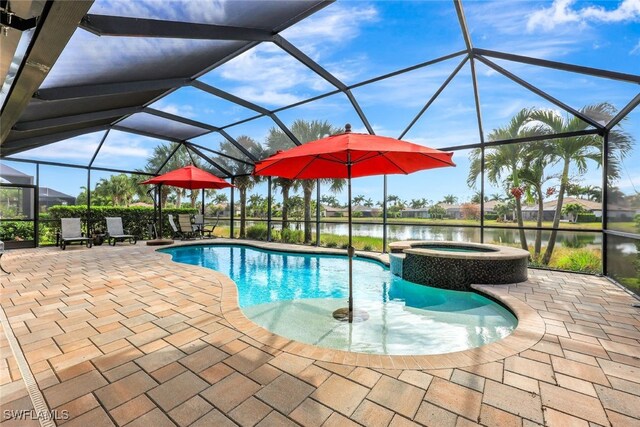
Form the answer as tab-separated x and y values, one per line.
32	414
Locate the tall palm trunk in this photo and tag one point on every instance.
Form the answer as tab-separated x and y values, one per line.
523	237
538	244
307	187
243	211
556	217
194	197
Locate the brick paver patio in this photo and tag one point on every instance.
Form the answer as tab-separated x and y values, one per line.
123	336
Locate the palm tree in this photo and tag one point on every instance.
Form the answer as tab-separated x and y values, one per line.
305	131
118	188
243	180
579	150
394	200
277	141
359	199
330	200
505	159
449	199
536	160
179	159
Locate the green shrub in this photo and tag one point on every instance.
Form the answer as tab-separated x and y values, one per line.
587	217
16	230
491	217
332	244
291	236
367	248
583	260
258	232
134	219
344	246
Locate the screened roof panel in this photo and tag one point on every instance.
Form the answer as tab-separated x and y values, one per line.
335	109
52	133
392	103
254	131
501	99
89	59
160	126
265	14
216	142
39	109
202	106
125	151
451	119
77	151
267	76
356	41
574	89
576	32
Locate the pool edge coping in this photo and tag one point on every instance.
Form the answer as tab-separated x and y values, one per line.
528	332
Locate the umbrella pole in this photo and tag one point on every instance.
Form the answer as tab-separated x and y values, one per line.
160	235
350	249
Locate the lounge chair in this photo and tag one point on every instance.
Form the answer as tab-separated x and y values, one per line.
186	226
2	253
70	233
115	232
174	227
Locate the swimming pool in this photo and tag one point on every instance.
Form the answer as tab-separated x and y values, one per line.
294	295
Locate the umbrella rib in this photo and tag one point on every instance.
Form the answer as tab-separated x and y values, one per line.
315	157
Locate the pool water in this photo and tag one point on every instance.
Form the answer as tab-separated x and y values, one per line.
294	295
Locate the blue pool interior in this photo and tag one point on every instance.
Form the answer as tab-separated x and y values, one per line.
294	294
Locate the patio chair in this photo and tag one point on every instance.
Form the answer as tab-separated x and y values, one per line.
115	232
70	233
186	226
201	227
205	228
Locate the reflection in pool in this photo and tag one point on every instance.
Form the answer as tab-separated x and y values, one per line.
294	294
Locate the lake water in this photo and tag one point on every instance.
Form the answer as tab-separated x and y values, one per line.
458	234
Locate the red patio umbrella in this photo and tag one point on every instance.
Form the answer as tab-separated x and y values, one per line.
351	155
189	177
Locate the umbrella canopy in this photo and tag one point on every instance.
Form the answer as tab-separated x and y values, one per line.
365	154
189	177
350	155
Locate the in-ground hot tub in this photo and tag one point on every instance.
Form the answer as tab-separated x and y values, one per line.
457	265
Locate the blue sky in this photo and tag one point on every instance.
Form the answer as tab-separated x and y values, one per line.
358	40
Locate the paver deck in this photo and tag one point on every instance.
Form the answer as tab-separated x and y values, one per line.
123	336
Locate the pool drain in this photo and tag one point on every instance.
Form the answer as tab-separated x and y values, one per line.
342	314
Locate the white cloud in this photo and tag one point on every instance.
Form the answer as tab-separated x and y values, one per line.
562	12
334	25
81	149
175	109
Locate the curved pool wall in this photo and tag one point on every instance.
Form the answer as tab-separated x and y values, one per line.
455	265
405	318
